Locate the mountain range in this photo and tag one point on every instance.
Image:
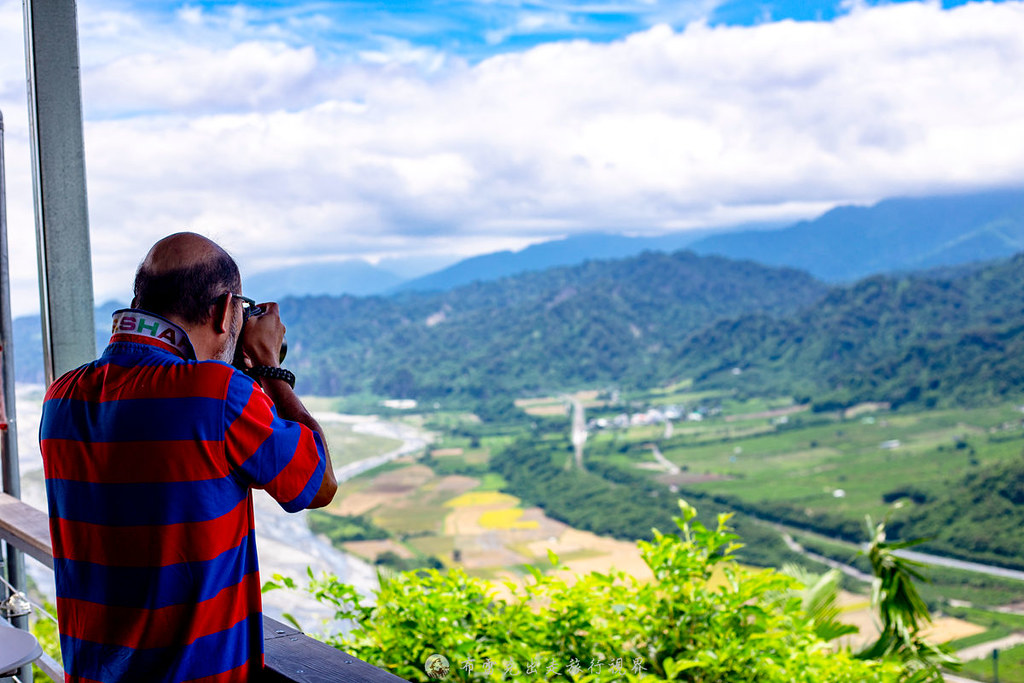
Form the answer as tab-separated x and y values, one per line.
564	252
852	242
907	339
842	245
655	316
356	277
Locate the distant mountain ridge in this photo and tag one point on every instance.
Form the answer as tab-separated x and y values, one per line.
639	322
952	334
894	235
569	251
354	277
842	245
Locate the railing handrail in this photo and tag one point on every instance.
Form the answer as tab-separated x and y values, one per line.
291	656
26	528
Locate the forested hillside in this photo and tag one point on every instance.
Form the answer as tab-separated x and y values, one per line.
927	339
914	339
603	322
988	498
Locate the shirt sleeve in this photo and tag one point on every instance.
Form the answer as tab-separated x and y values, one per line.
285	458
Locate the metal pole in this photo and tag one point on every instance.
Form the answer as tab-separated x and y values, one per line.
58	165
9	429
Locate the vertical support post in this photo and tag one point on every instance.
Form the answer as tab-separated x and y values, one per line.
58	165
15	561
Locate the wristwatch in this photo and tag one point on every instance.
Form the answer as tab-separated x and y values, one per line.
272	373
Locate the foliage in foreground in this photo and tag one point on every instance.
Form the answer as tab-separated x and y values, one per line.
902	610
701	619
45	631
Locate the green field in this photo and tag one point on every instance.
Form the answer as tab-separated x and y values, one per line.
804	465
1011	667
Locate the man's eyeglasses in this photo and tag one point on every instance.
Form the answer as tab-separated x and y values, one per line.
249	307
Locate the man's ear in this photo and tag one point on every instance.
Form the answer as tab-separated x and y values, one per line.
223	311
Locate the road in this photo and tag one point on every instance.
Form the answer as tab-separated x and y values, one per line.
923	558
980	651
844	568
669	466
941	561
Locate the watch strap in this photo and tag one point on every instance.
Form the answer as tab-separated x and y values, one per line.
272	373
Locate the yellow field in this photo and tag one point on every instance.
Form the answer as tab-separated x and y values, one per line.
479	498
506	518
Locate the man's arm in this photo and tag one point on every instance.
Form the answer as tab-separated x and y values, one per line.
261	341
290	407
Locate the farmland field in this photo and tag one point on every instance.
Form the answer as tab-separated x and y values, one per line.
768	458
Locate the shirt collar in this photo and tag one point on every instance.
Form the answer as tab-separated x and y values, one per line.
142	327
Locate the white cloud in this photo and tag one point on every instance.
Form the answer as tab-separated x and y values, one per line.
246	76
282	151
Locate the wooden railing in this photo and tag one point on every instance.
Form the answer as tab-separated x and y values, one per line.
291	656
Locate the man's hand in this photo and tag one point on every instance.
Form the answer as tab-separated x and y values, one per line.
262	337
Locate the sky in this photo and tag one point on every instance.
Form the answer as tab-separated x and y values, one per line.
411	134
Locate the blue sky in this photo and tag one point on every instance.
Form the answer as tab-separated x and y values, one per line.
479	29
414	133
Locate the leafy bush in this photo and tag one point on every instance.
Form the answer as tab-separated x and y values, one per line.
702	618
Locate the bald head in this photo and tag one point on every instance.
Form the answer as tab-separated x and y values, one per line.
181	250
183	275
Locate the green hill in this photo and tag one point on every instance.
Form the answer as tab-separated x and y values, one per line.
912	339
952	337
600	323
977	517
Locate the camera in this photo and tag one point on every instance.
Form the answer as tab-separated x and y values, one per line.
239	360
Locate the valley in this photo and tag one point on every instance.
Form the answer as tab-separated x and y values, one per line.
782	469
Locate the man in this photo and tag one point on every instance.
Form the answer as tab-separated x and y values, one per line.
150	453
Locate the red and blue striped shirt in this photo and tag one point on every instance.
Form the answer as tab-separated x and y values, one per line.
149	459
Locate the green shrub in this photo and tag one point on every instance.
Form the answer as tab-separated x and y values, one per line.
702	618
